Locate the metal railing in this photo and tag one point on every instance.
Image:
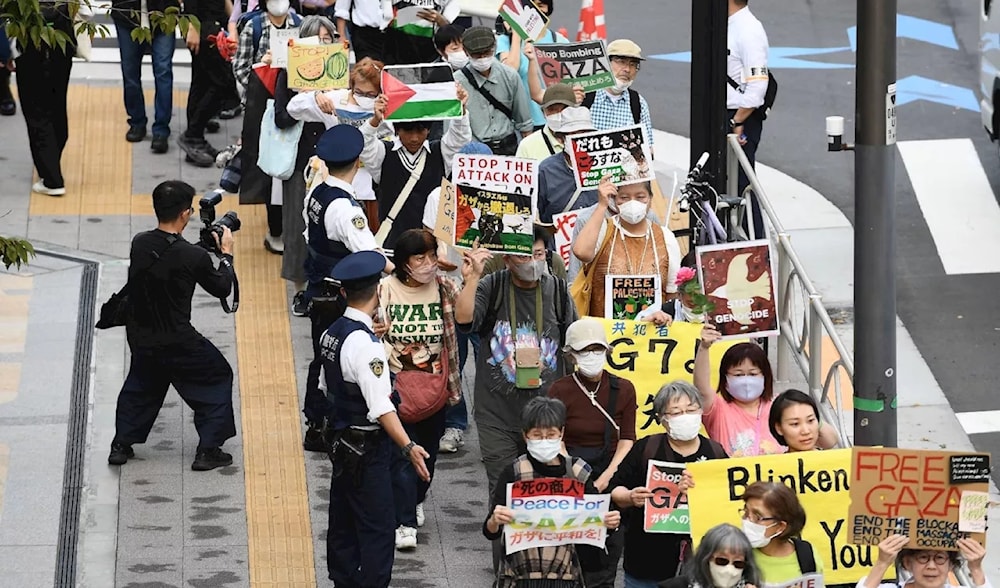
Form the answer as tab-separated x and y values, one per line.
803	318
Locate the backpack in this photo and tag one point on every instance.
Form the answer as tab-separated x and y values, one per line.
493	308
804	553
769	95
256	19
655	441
633	102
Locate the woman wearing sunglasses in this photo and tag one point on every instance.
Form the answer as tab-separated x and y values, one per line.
724	559
925	568
773	520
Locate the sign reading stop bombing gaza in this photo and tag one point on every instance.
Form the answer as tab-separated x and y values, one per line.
317	67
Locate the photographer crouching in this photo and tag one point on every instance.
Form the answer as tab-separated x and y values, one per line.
166	348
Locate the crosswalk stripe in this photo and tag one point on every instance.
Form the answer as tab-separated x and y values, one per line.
984	421
957	202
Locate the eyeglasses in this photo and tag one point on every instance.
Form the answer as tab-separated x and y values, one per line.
688	410
365	94
535	436
940	558
754	517
721	561
626	62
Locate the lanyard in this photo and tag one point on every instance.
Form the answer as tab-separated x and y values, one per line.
538	313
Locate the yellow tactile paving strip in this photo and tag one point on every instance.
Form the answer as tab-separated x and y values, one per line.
278	525
15	294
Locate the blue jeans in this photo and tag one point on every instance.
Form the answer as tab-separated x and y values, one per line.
457	417
633	582
162	51
408	489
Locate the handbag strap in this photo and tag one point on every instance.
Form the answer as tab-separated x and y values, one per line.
418	170
486	94
538	312
157	256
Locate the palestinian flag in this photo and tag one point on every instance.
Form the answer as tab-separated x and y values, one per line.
405	19
420	92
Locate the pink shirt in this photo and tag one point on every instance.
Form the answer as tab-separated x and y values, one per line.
738	432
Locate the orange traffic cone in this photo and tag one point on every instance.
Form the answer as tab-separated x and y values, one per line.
591	21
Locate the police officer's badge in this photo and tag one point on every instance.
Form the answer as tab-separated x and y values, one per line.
359	222
377	366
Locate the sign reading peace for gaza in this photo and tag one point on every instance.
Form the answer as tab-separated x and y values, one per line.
495	202
554	511
621	154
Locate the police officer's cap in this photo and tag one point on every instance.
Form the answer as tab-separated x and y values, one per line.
340	145
359	270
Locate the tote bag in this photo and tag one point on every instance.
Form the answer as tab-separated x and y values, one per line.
278	148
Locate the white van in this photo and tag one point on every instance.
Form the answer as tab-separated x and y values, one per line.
989	68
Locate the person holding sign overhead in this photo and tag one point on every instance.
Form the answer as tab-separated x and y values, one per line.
929	568
773	520
724	559
653	557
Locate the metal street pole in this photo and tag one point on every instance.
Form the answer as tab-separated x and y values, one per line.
709	123
874	226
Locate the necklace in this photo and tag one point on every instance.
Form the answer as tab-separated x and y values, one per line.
628	256
590	395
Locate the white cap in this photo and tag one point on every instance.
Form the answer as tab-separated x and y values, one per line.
585	332
573	119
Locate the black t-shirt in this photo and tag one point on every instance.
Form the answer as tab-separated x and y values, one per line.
161	289
652	556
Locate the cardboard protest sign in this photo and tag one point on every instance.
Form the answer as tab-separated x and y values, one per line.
644	352
554	511
623	154
524	18
496	202
738	278
565	223
908	491
626	296
972	512
279	45
667	510
821	479
444	227
317	67
585	64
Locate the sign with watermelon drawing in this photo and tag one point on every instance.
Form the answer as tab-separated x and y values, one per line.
524	18
420	92
317	67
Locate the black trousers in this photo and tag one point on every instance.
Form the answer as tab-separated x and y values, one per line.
203	379
42	83
5	84
753	128
211	84
367	42
274	219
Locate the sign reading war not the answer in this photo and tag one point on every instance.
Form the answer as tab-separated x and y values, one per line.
621	154
554	511
585	64
910	492
495	202
738	280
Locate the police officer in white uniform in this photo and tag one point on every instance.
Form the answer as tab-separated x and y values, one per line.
364	430
747	83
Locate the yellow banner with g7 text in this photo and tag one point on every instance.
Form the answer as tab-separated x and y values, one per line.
820	479
650	356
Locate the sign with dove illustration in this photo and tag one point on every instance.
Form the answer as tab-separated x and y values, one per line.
739	279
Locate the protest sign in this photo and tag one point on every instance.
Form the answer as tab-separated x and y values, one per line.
444	227
907	491
806	581
564	223
623	154
972	511
585	64
821	479
738	278
524	18
651	356
495	202
554	511
626	296
667	510
279	45
317	67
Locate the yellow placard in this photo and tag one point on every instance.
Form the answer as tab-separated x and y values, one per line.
651	356
820	479
317	67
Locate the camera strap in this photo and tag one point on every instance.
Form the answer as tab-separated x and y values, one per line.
226	262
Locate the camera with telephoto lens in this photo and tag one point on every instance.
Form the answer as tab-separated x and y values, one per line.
213	227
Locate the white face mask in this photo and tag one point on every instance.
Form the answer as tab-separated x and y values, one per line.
690	317
423	274
757	533
632	212
544	450
590	364
457	59
277	8
683	427
482	64
530	271
724	576
365	103
621	85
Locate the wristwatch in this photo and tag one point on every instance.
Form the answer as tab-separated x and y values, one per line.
733	124
409	447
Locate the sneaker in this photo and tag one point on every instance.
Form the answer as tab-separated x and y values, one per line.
120	454
8	107
230	113
451	441
313	440
274	244
39	187
420	515
300	306
406	538
159	145
196	152
212	126
211	458
135	134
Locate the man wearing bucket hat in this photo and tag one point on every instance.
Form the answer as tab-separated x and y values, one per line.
543	142
557	191
620	106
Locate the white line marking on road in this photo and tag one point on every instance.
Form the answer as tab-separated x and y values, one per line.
984	421
958	203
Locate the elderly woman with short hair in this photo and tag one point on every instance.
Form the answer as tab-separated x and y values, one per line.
925	568
654	557
724	559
